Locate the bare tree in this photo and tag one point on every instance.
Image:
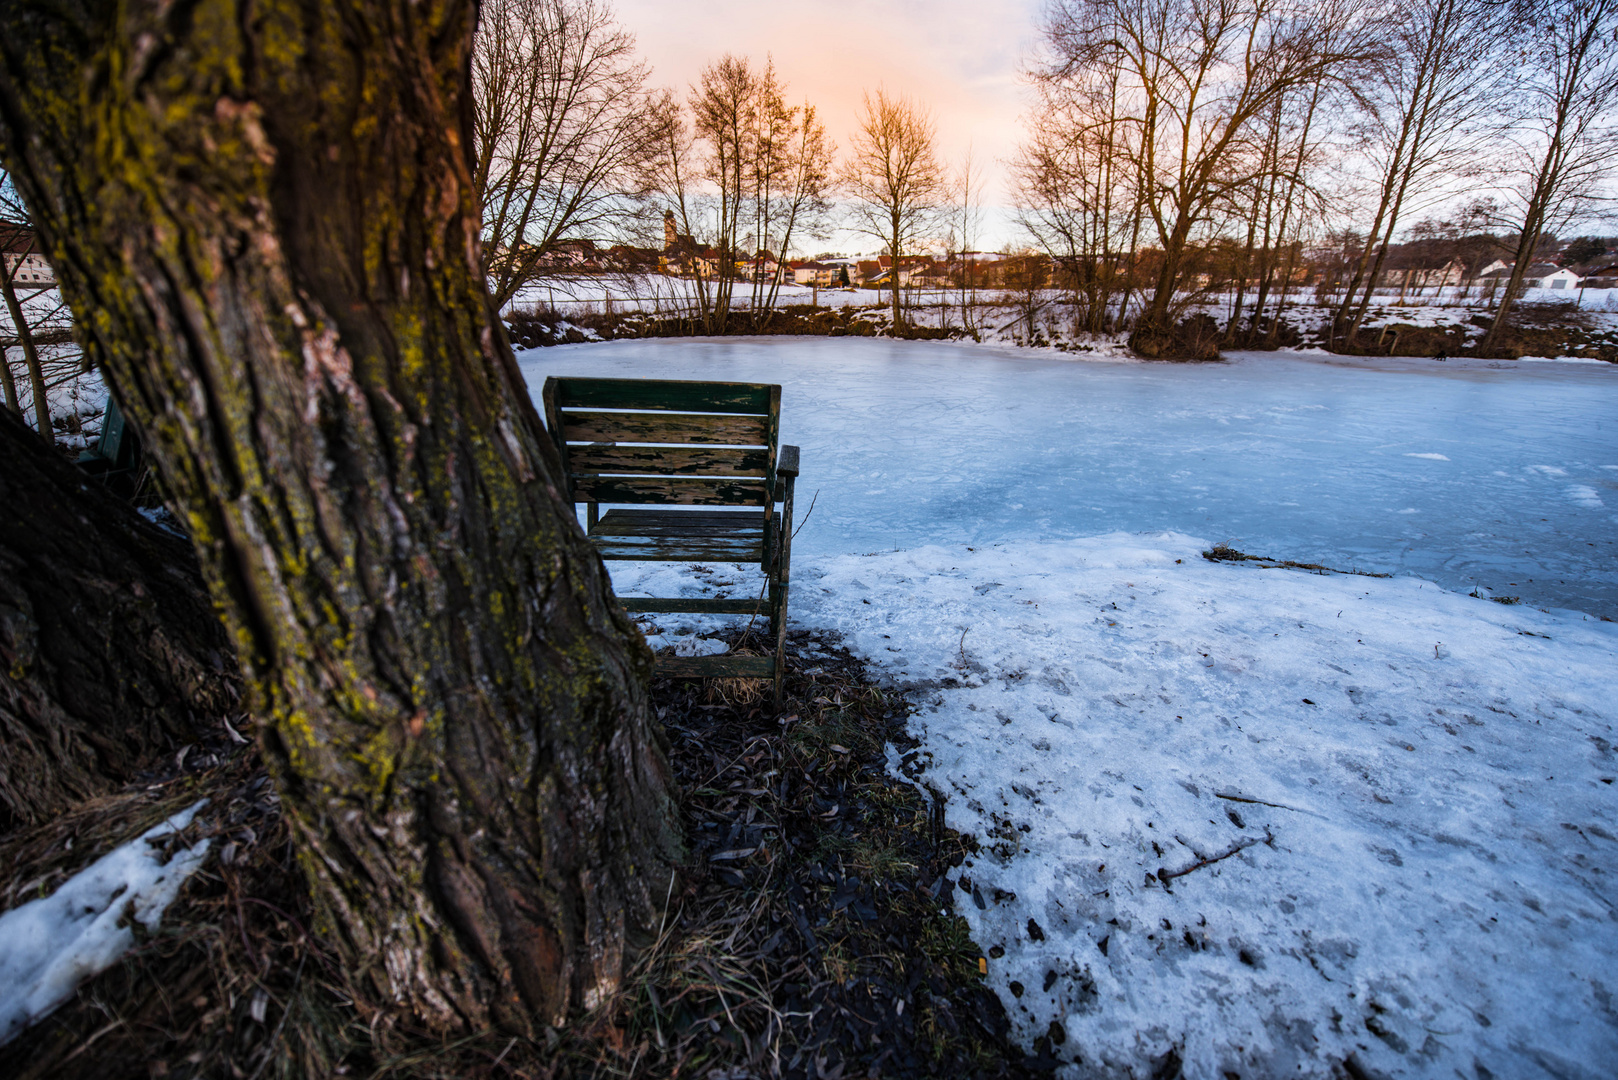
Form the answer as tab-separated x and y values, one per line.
790	172
1569	133
1429	109
1281	246
1078	195
1198	74
894	177
677	177
743	177
561	132
724	107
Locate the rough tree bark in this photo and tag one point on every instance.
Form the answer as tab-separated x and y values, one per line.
263	215
111	649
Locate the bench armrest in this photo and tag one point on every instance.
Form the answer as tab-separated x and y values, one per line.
786	462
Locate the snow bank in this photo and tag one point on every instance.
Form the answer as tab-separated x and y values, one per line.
49	946
1259	819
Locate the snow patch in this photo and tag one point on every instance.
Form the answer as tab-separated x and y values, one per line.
1585	496
51	945
1429	457
686	644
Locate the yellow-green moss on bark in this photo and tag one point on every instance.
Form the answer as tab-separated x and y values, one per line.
272	244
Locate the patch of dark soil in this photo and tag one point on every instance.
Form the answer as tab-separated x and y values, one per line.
812	938
538	326
1268	334
1517	341
1574	335
1196	338
1403	339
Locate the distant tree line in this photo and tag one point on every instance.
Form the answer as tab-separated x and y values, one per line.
1228	139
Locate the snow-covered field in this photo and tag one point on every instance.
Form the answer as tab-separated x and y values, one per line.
1260	819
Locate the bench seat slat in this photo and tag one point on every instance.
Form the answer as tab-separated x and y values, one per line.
671	550
669	460
680	536
675	490
747	523
665	428
682	396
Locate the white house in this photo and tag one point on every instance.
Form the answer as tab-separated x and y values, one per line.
1538	276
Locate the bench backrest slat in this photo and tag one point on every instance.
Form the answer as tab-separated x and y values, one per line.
677	394
665	428
669	460
642	440
669	490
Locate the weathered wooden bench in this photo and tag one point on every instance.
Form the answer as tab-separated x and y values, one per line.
693	445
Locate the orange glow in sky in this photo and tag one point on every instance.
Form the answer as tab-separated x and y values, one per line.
960	58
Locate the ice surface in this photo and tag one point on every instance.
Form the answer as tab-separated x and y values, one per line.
49	946
1296	457
1259	818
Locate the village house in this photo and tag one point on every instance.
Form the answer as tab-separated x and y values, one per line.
1538	276
878	272
1408	272
822	275
23	262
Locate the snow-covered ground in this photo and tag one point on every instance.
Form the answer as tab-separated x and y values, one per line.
1260	819
76	399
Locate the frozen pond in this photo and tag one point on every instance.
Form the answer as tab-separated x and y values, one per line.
1465	474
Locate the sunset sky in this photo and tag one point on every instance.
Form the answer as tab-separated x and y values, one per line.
961	58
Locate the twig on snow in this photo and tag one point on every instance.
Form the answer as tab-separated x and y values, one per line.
1165	875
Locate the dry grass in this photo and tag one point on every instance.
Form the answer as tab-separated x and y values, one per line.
810	912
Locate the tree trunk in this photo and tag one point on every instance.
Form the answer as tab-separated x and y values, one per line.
30	355
10	382
893	246
111	647
265	220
